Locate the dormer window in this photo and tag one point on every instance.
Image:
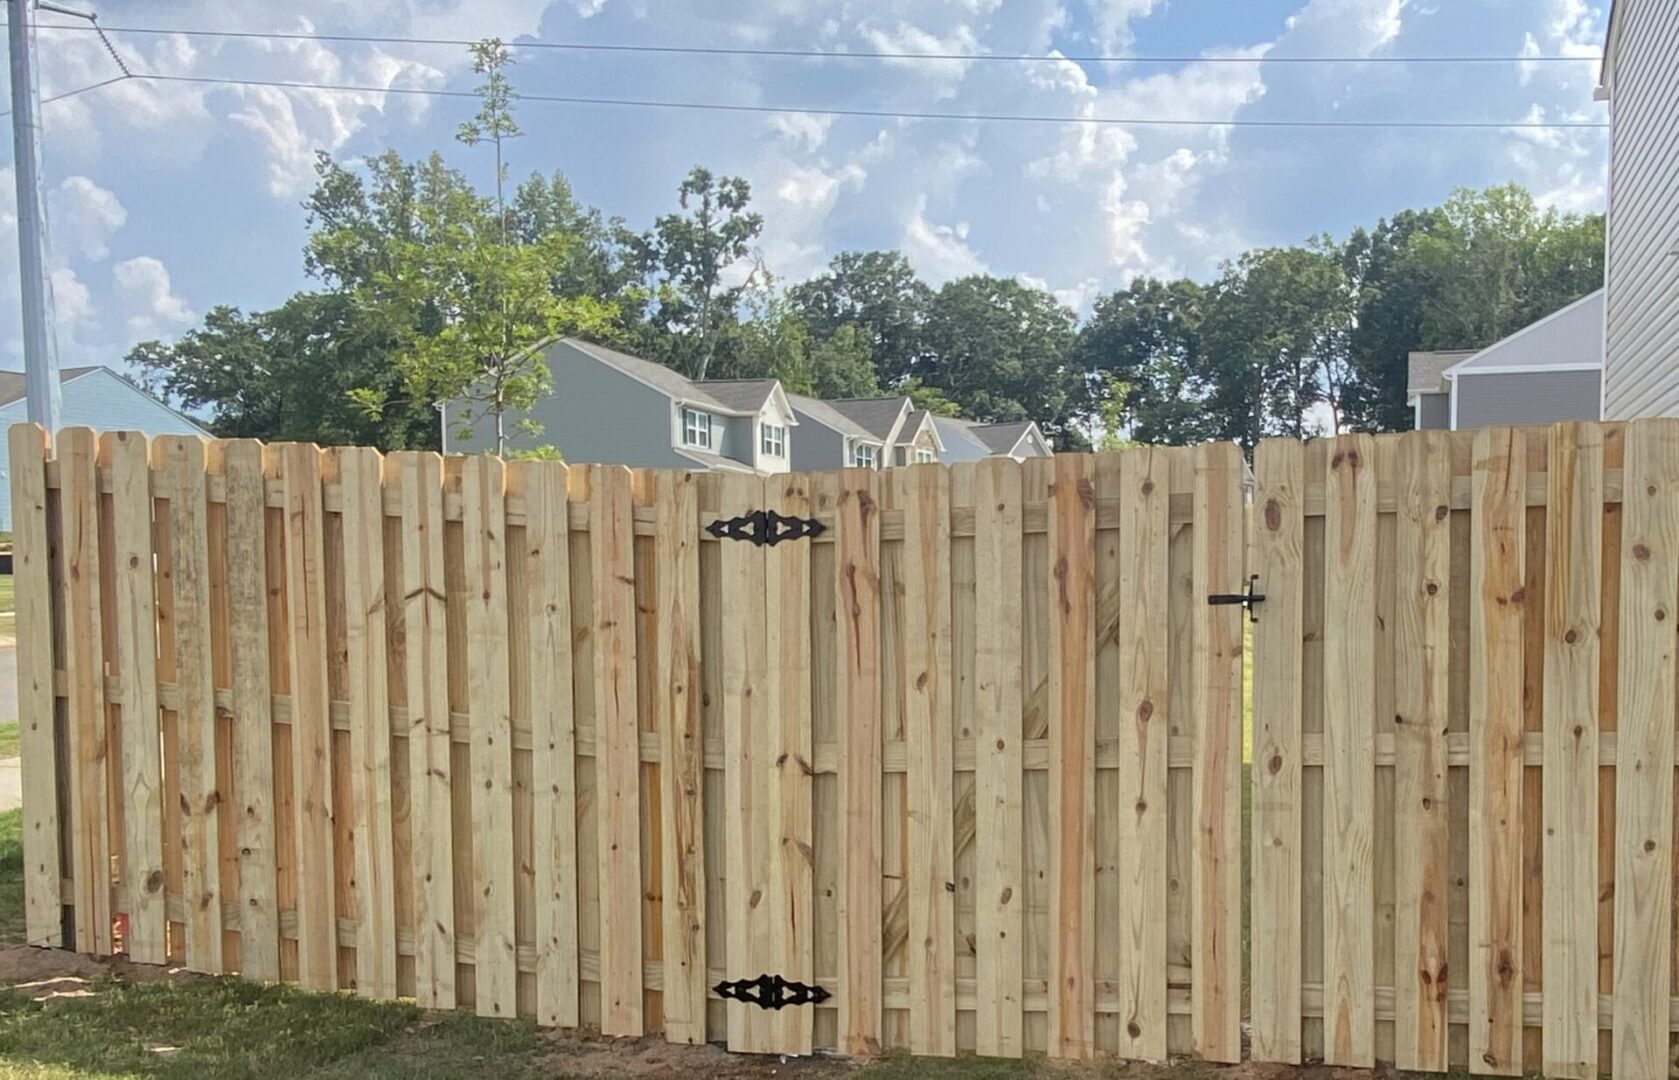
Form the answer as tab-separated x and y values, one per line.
865	455
696	428
772	440
924	456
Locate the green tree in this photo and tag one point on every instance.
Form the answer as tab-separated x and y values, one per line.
878	294
1002	350
289	373
688	256
842	365
1142	346
494	121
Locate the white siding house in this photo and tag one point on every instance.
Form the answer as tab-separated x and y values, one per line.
95	397
1641	83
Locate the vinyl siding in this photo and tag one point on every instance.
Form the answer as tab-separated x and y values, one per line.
815	446
1436	413
99	399
1641	372
1524	397
595	415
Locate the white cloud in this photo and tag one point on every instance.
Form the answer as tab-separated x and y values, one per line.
939	252
1113	19
146	298
82	216
72	303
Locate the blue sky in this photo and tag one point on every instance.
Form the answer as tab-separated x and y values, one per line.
170	198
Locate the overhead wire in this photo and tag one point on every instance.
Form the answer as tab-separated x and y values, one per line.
831	54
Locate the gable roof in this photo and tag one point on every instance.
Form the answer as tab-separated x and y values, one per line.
746	395
918	419
14	386
824	413
728	397
1003	438
879	416
1425	372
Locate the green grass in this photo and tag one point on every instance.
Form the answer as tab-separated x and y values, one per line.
8	608
8	740
11	877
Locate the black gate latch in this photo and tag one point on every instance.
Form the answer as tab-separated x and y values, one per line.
1247	598
765	527
771	992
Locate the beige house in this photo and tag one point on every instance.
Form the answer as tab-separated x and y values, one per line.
1641	83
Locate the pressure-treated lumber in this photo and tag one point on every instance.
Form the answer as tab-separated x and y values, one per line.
1644	743
1497	612
1573	595
1276	554
1421	651
1349	750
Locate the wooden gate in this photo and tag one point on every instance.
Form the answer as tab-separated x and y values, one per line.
764	629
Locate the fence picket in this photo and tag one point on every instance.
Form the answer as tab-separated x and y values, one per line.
1497	618
1644	750
1421	647
361	476
484	556
1573	589
1216	885
1349	750
1072	758
38	741
1277	534
90	843
141	759
857	602
923	495
311	732
1000	893
617	751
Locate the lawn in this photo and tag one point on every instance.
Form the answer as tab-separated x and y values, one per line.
8	740
8	610
106	1022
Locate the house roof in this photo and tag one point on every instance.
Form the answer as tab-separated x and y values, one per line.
1002	438
878	416
1426	371
746	395
13	385
1611	46
960	442
915	421
824	413
1568	339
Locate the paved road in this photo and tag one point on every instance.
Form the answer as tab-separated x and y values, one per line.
8	684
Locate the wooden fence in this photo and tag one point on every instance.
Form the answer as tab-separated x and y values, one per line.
534	740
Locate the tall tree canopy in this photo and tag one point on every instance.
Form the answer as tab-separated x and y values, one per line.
425	289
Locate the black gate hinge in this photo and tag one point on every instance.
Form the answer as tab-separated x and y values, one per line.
1247	598
771	992
765	527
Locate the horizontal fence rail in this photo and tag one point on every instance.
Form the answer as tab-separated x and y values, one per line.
966	754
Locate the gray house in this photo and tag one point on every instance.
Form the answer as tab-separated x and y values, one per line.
1641	83
970	440
1548	371
612	408
869	433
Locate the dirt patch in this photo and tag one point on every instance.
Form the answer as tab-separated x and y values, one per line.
585	1054
44	973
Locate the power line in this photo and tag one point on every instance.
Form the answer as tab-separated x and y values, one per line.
894	114
84	89
824	54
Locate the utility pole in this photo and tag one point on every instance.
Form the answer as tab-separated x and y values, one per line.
40	349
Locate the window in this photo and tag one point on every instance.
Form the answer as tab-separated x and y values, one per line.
696	428
772	440
923	456
865	455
